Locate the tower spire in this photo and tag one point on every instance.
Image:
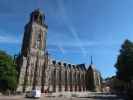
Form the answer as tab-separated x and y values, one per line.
91	60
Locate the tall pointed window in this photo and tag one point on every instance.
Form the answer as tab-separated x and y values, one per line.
37	40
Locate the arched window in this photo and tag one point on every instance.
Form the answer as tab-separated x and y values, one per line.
37	40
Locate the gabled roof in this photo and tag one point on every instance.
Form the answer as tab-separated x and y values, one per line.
81	66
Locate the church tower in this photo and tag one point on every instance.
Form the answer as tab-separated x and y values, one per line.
35	33
32	58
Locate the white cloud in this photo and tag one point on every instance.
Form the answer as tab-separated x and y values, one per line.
9	39
75	47
70	26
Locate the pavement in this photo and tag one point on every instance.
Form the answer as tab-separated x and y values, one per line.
56	98
66	96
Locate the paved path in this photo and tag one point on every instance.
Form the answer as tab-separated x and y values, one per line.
55	98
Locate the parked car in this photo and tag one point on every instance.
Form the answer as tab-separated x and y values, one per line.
33	94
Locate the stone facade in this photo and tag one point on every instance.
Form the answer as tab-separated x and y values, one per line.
93	78
38	71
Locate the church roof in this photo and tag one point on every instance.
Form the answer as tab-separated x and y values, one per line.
81	66
69	65
91	66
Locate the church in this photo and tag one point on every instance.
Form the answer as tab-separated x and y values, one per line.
38	71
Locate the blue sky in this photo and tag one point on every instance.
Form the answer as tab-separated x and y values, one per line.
77	29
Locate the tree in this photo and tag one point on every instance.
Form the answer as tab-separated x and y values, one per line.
8	73
124	63
124	66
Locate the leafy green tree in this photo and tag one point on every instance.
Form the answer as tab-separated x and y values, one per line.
124	63
8	73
